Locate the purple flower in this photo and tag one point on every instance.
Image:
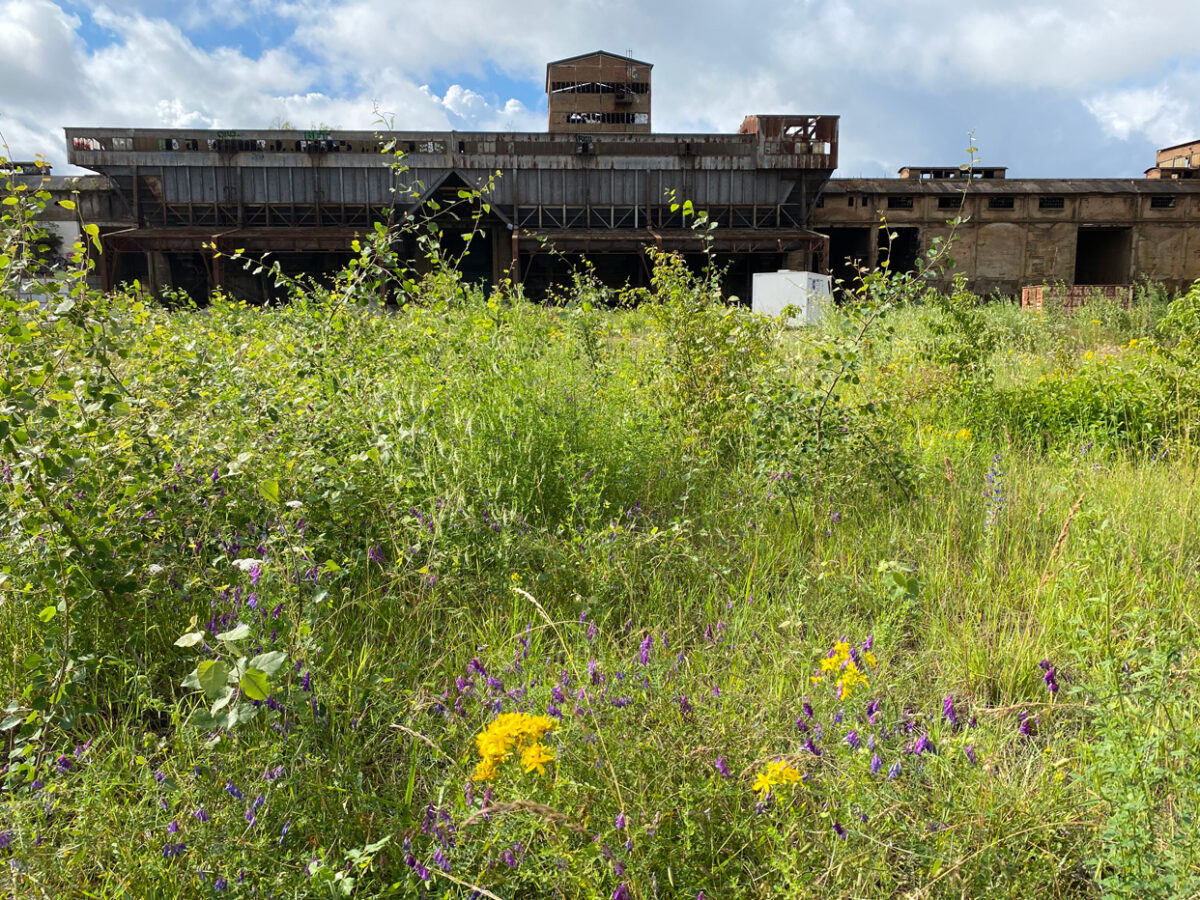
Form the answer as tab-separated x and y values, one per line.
287	826
510	859
1050	677
723	768
413	863
221	883
306	682
622	892
948	710
172	850
852	739
477	667
839	830
812	748
5	839
970	751
644	649
173	828
808	710
233	790
894	771
273	774
685	705
440	858
201	815
876	764
64	765
620	820
872	709
923	745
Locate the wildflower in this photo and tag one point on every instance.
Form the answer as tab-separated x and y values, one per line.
5	839
894	771
248	565
812	748
970	751
201	815
222	883
808	709
413	863
513	731
839	830
622	892
172	850
948	710
723	768
173	828
287	826
777	772
852	678
685	706
233	790
439	857
852	739
876	764
620	821
644	649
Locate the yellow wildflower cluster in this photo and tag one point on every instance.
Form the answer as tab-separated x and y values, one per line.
847	666
509	732
777	772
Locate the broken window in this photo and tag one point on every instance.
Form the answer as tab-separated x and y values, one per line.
1051	203
1000	203
954	202
1162	202
900	202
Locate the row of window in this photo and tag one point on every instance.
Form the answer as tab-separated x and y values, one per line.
956	202
599	87
608	118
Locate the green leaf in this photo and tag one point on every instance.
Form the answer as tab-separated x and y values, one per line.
191	639
269	490
240	633
269	663
254	684
11	722
67	204
213	676
48	613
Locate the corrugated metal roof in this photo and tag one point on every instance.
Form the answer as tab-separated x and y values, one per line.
990	187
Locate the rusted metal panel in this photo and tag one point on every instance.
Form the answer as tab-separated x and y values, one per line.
1070	297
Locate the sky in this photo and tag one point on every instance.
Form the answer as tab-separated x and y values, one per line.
1049	88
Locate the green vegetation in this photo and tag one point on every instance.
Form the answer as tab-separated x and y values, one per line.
476	597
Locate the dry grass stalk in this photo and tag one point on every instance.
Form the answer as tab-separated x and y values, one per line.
1058	544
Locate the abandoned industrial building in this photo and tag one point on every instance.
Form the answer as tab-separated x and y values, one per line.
600	183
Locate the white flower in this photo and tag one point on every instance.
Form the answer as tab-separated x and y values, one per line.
247	565
294	504
155	569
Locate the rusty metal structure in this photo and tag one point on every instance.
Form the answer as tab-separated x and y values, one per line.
600	184
598	92
305	195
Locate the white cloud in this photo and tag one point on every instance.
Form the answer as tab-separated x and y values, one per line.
908	76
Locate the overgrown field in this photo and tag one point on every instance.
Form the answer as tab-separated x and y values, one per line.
477	597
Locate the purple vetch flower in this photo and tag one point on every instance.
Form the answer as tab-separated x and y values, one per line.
173	828
1028	724
802	726
812	748
852	739
5	839
644	649
221	883
716	691
510	859
618	868
201	815
172	850
413	863
1050	677
685	706
970	751
287	826
808	709
872	709
375	554
723	768
477	667
233	790
440	858
306	682
273	774
837	717
839	830
876	764
894	771
592	631
922	745
620	821
594	672
622	892
64	764
948	710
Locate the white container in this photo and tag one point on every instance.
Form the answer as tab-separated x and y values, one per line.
808	292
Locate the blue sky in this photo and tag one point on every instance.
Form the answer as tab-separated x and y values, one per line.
1050	88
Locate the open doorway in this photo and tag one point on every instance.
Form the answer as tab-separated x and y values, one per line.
849	249
1102	255
904	248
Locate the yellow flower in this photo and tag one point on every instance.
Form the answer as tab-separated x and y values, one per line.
963	434
777	772
508	732
852	677
535	756
1089	355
